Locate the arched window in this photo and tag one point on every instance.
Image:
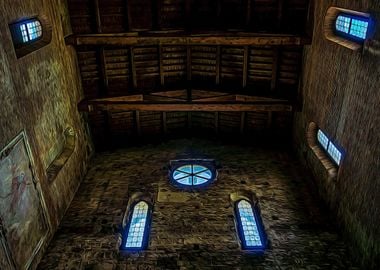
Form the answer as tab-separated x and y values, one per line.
136	232
249	226
30	34
192	173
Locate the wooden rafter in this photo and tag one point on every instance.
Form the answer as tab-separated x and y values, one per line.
132	39
258	106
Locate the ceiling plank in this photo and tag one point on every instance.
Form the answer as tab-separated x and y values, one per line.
221	39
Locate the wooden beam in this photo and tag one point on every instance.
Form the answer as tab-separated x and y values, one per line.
152	40
94	105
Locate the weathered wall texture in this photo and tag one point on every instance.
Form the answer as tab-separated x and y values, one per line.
195	230
39	93
341	94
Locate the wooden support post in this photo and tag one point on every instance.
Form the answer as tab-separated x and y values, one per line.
164	126
98	21
188	69
107	127
248	14
189	120
156	14
280	7
242	122
137	122
245	66
216	122
132	68
188	15
275	65
217	68
103	72
161	63
269	120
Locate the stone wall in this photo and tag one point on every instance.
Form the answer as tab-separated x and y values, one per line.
341	95
39	94
195	230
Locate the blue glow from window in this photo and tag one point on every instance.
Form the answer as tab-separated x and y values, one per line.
192	175
251	236
30	30
322	139
334	153
352	26
137	226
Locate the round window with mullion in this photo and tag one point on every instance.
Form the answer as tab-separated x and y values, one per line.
192	175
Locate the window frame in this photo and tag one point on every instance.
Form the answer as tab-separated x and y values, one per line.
259	224
209	164
125	231
348	35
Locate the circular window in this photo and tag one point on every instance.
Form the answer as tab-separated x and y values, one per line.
192	175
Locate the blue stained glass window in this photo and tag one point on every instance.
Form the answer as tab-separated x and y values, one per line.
334	153
342	23
30	31
359	28
352	26
137	227
322	139
250	233
329	147
192	175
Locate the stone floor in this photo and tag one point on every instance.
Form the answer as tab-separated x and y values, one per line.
195	230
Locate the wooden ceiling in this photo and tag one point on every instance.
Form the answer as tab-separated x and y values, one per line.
218	48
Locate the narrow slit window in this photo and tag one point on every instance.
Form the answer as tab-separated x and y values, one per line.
251	233
137	229
352	27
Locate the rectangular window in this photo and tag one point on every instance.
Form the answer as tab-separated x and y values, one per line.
329	147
